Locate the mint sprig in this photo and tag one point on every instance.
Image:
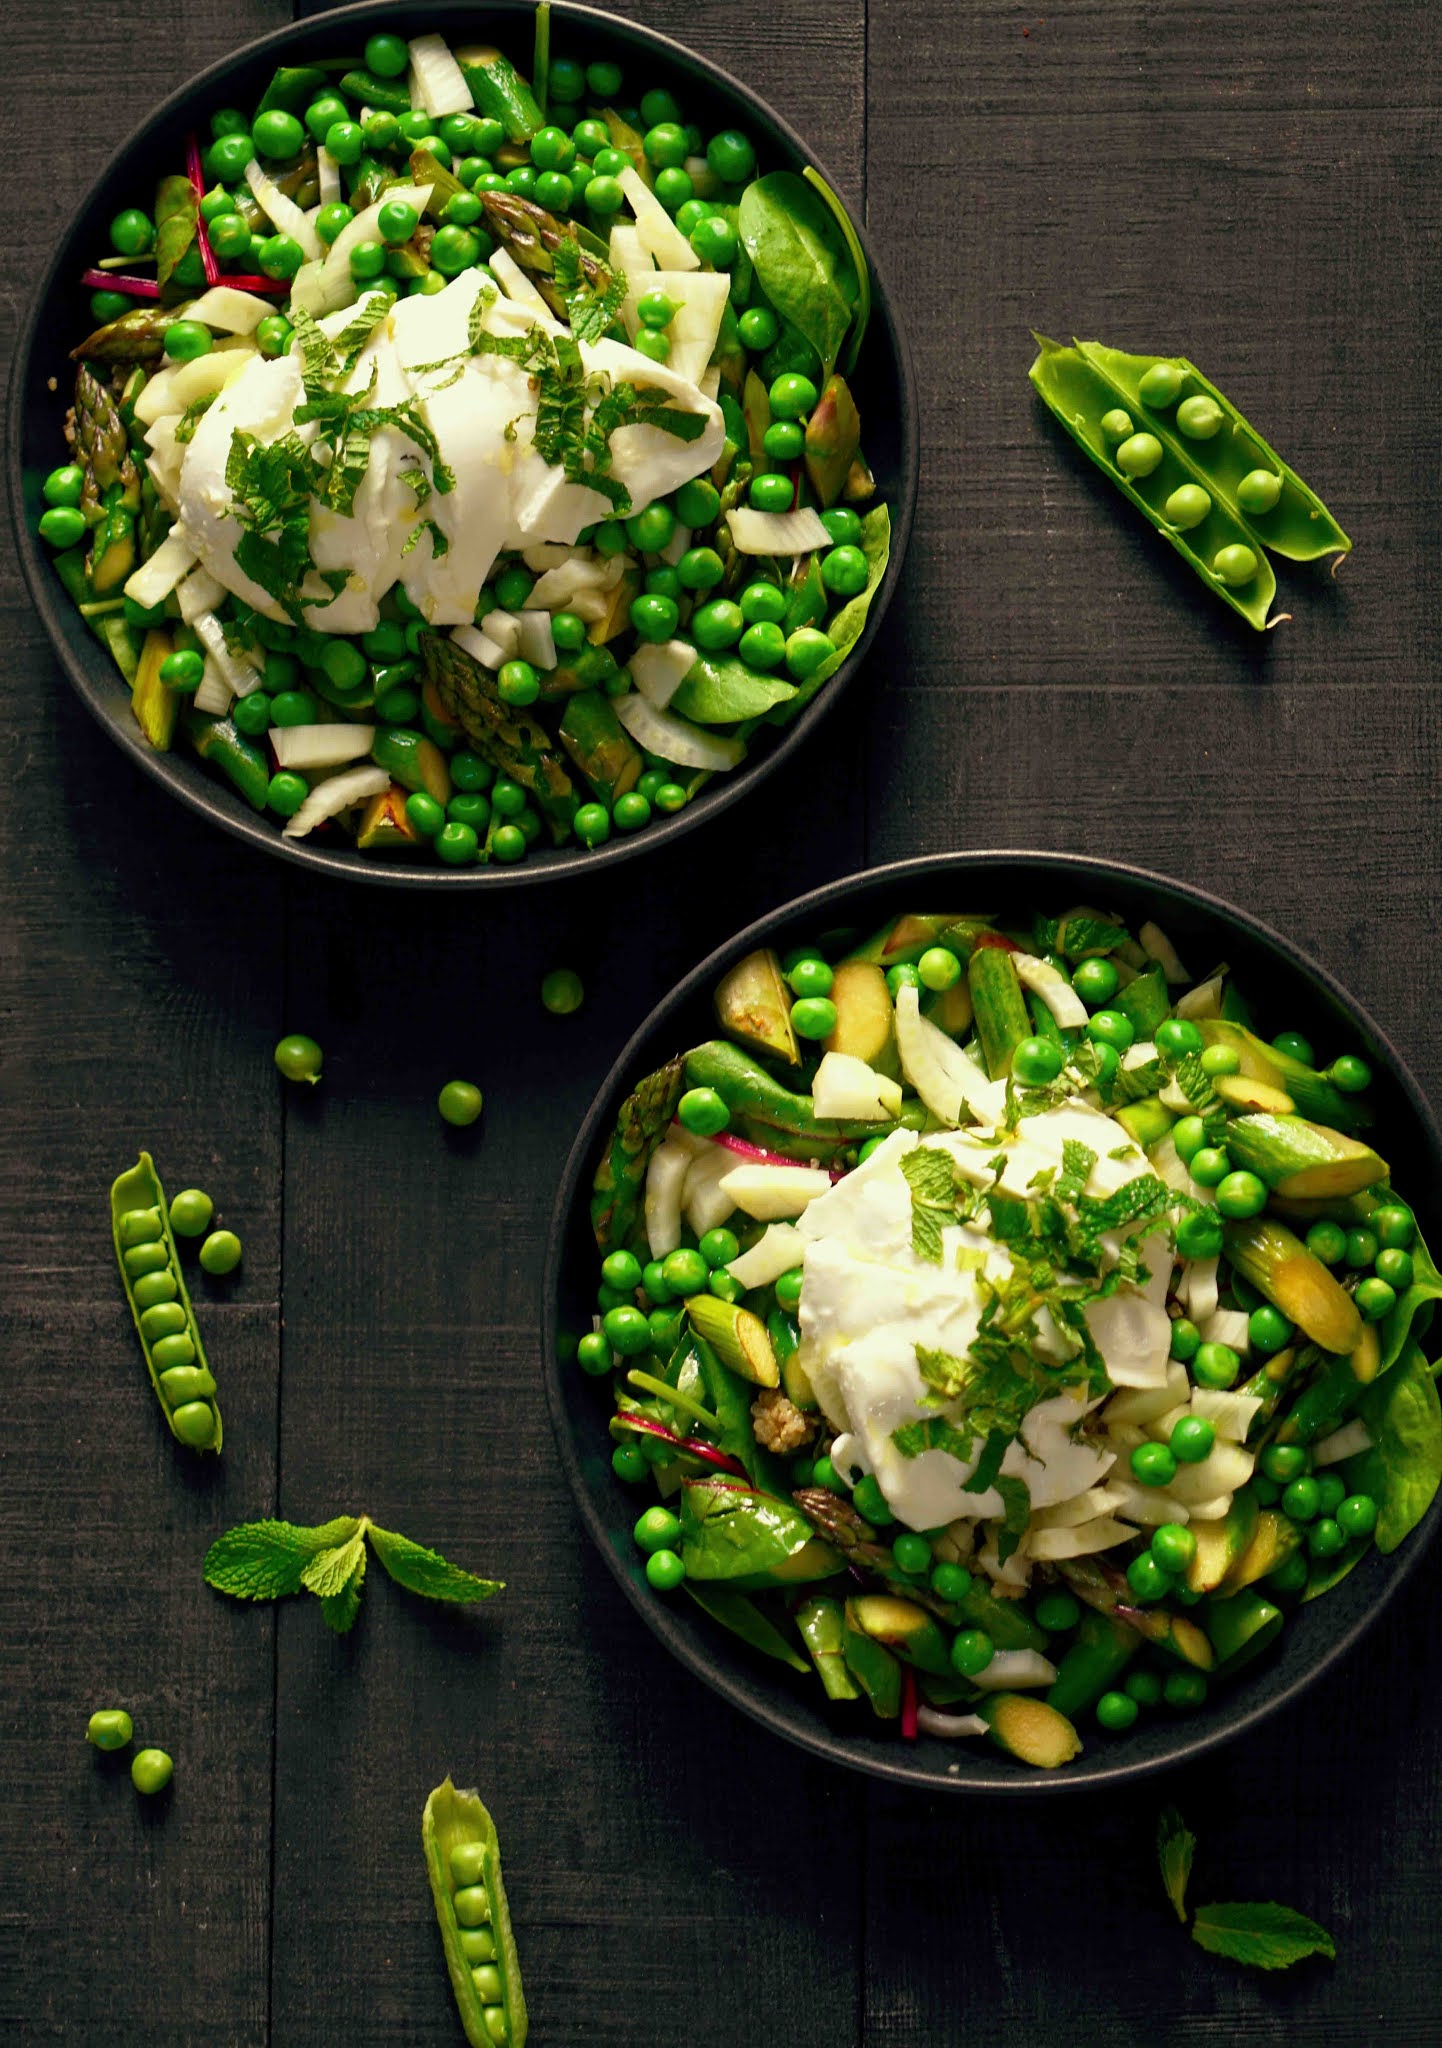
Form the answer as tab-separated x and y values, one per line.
1256	1932
272	1560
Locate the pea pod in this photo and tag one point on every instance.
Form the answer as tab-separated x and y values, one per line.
164	1319
463	1861
217	740
1098	395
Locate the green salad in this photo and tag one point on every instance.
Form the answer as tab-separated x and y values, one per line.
1012	1331
462	460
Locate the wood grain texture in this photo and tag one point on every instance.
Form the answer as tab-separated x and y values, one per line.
1256	187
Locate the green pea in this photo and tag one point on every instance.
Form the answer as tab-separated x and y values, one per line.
1357	1515
1191	1439
1184	1689
1394	1226
1327	1241
911	1554
903	975
182	1384
110	1728
151	1770
664	1570
220	1253
732	158
788	1290
64	486
145	1258
151	1289
1116	425
1220	1059
1199	1236
971	1651
1269	1330
1200	418
656	1529
771	493
1116	1711
273	335
792	396
1173	1546
1055	1612
1351	1074
165	1319
1216	1366
1375	1299
1187	506
593	1354
686	1272
1036	1061
1153	1465
813	1017
1234	565
1302	1499
1160	386
1139	455
1241	1194
1096	982
1361	1249
387	56
185	340
472	1906
702	1112
1259	491
1186	1339
298	1058
592	824
460	1102
871	1502
562	992
176	1349
190	1212
1147	1579
141	1226
1144	1687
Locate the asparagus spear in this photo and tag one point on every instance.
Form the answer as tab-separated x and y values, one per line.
533	236
905	1628
136	337
621	1177
506	737
1029	1729
1282	1370
1101	1651
1300	1160
1001	1015
754	1005
1313	1094
600	746
823	1630
1103	1587
749	1091
111	495
1280	1267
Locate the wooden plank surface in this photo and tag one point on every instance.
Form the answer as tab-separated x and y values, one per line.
1259	188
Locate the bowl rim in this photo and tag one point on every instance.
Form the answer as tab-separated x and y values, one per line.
211	800
889	1764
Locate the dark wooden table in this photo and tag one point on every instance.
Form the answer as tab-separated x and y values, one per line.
1256	187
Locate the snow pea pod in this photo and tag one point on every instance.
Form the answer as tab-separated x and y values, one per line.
164	1319
463	1861
1188	485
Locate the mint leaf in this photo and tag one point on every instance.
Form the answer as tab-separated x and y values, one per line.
1175	1847
933	1199
266	1560
425	1571
1016	1506
340	1608
944	1373
331	1569
1267	1937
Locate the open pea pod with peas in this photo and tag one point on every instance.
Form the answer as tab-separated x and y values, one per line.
154	1282
1192	465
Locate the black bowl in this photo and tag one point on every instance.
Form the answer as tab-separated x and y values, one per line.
1206	931
58	316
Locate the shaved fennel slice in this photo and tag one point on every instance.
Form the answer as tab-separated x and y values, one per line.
940	1072
659	233
284	215
1157	946
320	746
229	311
159	574
776	533
658	669
241	675
676	739
1048	982
200	592
328	173
480	646
215	696
537	642
705	1204
1014	1670
1345	1442
335	795
437	82
665	1179
778	1250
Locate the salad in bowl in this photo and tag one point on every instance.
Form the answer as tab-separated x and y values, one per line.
465	454
1008	1326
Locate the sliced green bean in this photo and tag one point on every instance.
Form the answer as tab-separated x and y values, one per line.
164	1319
463	1860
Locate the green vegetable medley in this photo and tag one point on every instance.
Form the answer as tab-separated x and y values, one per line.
312	585
1013	1333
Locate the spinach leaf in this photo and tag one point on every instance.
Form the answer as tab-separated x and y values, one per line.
1402	1324
863	274
728	1533
177	214
846	628
1404	1466
720	690
739	1613
729	1398
802	259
